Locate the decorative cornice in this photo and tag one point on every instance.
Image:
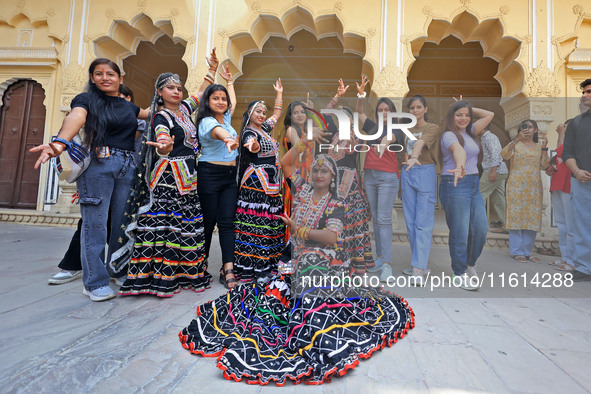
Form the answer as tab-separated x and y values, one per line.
19	53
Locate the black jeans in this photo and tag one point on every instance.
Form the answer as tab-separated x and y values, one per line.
218	192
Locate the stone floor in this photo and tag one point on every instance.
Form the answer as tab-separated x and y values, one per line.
497	339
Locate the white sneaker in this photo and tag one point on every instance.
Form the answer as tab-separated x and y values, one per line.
464	282
64	276
412	271
471	271
386	273
119	281
101	294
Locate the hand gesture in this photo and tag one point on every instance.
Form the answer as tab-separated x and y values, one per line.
289	222
458	174
53	149
164	148
410	163
253	145
321	136
460	99
561	128
278	86
361	86
212	60
309	103
342	89
231	143
226	74
550	170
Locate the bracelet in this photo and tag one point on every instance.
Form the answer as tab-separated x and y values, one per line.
362	95
162	155
62	141
544	148
416	158
229	83
576	172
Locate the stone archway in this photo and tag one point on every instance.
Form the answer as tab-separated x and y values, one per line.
123	38
292	21
489	33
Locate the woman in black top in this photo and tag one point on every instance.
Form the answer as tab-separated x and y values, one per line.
110	124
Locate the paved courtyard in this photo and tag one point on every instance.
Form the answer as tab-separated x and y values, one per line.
498	339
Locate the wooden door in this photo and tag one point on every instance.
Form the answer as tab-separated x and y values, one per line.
22	123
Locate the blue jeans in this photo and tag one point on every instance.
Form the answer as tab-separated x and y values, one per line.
419	186
581	199
381	188
218	192
465	215
104	186
521	242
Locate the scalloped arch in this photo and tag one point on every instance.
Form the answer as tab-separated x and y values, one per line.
292	21
489	33
123	38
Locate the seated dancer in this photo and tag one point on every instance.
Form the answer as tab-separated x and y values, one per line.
168	251
284	328
258	229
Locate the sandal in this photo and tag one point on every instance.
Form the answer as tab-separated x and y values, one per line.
534	259
565	267
556	263
229	283
520	259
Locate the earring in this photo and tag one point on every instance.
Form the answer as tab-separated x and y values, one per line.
332	184
159	101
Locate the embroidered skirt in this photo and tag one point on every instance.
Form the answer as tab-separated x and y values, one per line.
169	250
258	229
262	332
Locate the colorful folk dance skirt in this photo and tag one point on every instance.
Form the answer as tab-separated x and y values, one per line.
169	250
262	332
258	229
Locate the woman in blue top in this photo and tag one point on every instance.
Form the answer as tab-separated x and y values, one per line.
459	189
217	187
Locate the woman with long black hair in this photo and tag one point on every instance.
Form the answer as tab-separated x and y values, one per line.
110	124
258	228
167	238
459	189
217	187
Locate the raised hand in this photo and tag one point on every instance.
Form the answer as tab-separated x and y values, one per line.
226	74
342	89
460	99
361	86
278	86
309	103
212	60
47	152
164	148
